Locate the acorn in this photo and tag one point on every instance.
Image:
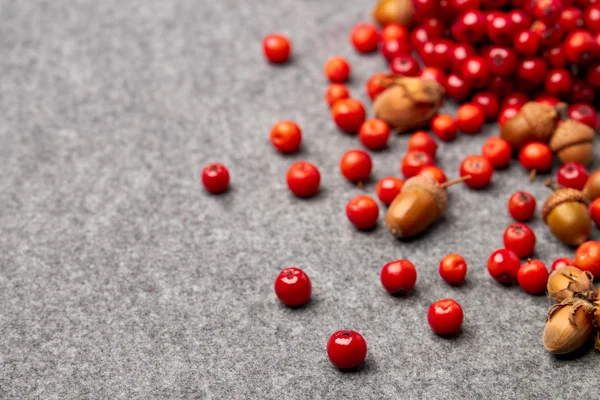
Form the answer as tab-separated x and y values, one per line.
408	103
573	142
567	214
591	190
568	326
566	282
421	201
535	122
393	11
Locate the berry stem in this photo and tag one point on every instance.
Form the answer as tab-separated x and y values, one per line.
532	174
552	185
455	181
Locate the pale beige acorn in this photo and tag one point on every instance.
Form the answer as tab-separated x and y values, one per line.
568	326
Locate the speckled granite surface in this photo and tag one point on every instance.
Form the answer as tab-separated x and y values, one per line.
121	278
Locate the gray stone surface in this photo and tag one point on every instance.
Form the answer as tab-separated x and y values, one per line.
120	277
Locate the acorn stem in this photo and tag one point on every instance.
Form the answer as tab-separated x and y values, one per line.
562	109
532	174
455	181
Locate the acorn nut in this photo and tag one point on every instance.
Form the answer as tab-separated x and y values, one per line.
573	142
568	327
393	11
567	214
591	190
535	122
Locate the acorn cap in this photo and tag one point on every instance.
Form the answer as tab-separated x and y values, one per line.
541	117
433	187
570	132
560	196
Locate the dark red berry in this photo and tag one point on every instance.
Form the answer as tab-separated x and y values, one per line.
501	60
521	206
532	70
405	65
572	175
346	349
580	47
215	178
293	287
558	82
469	27
584	113
527	43
476	72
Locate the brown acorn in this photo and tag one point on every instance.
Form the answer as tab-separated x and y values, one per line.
573	142
567	281
393	11
535	122
567	214
591	190
568	326
408	103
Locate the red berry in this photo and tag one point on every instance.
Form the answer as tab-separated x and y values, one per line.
433	172
489	104
562	262
515	99
507	113
582	92
470	27
470	118
501	29
437	53
422	141
465	5
584	113
519	238
445	316
337	69
460	52
498	151
521	206
502	61
365	37
395	31
580	47
418	37
558	82
399	277
444	127
434	27
549	34
293	287
532	70
414	161
480	169
434	74
376	85
520	19
572	175
425	8
595	211
335	92
303	179
405	65
571	18
356	165
388	188
555	56
533	276
348	114
374	134
453	269
277	48
592	17
502	86
286	136
527	43
547	10
346	349
593	75
393	48
503	265
536	156
587	257
476	72
215	178
457	88
362	211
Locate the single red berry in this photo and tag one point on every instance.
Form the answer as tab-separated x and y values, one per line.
457	88
595	211
592	18
422	141
501	61
562	262
362	211
461	6
376	85
489	104
303	179
277	48
433	172
444	127
532	70
555	56
414	161
533	276
418	37
572	175
399	277
395	31
587	257
550	34
571	18
584	113
393	48
547	10
356	165
434	27
426	8
348	114
507	113
519	238
453	269
593	75
434	74
469	27
470	118
520	19
558	82
437	53
346	349
480	169
521	206
405	65
293	287
582	92
498	151
503	265
527	43
215	178
335	92
286	136
337	69
580	47
515	99
365	37
388	188
501	29
445	316
476	72
536	156
460	52
374	134
502	86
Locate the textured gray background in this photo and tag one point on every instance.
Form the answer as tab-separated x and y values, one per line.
120	277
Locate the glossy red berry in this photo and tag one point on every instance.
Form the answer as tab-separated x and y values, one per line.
562	262
365	37
457	88
503	265
501	61
376	84
414	161
547	10
337	69
595	211
536	156
532	70
393	48
286	136
348	114
469	27
580	47
555	57
584	113
571	18
277	48
572	175
395	31
437	53
303	179
507	113
398	277
445	316
388	188
489	103
519	238
215	178
521	206
362	211
476	72
515	99
435	173
293	287
418	37
460	52
501	30
593	75
527	43
498	151
480	169
520	19
405	65
356	165
434	74
550	33
422	141
425	9
453	269
444	127
533	276
335	92
470	118
592	17
374	134
582	92
347	349
558	82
